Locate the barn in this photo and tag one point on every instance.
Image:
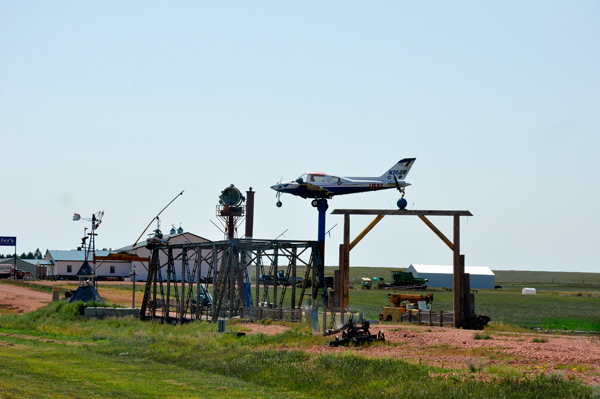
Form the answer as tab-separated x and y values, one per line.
481	277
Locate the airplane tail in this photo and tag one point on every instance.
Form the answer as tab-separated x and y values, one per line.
400	170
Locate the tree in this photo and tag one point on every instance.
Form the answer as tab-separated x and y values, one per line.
37	254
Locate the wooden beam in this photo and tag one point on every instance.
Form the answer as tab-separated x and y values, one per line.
398	212
436	231
365	231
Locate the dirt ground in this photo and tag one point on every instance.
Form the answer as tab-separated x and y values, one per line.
21	300
576	356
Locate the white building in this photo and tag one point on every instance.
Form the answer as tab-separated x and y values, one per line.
65	264
481	277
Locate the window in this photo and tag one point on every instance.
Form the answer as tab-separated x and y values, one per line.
335	179
317	178
69	269
112	270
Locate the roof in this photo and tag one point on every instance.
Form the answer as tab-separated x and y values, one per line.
448	269
72	255
142	243
30	261
36	261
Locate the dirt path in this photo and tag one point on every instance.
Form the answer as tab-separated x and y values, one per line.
22	300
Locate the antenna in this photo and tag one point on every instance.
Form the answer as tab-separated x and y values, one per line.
328	231
156	217
281	234
218	227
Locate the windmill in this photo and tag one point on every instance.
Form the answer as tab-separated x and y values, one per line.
87	290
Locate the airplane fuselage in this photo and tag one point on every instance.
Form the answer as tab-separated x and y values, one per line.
324	186
327	185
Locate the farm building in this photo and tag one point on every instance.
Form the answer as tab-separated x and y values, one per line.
66	264
37	267
481	277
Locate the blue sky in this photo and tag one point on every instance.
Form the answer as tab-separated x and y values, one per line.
121	105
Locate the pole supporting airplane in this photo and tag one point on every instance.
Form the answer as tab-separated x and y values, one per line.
322	186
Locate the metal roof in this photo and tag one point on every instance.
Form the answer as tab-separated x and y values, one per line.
72	255
142	243
448	269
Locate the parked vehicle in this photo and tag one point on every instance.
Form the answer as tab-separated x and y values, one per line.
281	279
365	283
5	271
18	274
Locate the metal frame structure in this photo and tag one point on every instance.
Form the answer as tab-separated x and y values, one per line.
463	306
228	278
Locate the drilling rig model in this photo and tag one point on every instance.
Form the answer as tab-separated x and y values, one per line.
403	303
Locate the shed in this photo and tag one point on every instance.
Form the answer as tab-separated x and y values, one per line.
481	277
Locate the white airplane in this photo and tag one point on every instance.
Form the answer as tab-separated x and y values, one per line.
324	186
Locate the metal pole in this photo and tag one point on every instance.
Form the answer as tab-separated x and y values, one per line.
133	300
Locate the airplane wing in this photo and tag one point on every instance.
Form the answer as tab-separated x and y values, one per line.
312	187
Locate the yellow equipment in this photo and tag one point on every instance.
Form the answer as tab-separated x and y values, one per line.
403	303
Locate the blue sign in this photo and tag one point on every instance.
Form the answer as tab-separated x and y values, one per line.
8	241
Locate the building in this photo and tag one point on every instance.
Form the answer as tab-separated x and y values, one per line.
481	277
64	265
37	267
176	237
111	265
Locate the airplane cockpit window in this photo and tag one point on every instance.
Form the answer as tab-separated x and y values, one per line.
302	179
317	178
335	179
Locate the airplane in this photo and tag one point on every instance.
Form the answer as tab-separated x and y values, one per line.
324	186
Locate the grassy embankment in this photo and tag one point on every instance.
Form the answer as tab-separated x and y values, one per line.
52	353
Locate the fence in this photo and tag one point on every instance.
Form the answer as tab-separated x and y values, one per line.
260	313
428	317
333	319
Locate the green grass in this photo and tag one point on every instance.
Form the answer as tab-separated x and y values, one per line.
52	353
547	310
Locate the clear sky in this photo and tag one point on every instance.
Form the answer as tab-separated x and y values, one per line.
118	106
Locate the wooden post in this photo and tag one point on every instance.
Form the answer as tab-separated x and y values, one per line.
340	281
294	255
346	281
458	275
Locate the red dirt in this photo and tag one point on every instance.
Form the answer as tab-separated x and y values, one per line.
22	300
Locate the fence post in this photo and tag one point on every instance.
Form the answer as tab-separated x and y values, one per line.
441	318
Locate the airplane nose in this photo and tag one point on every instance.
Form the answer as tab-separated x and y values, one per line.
275	187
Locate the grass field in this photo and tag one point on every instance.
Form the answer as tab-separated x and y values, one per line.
557	305
53	353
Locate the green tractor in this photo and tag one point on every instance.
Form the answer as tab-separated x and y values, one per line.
405	281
